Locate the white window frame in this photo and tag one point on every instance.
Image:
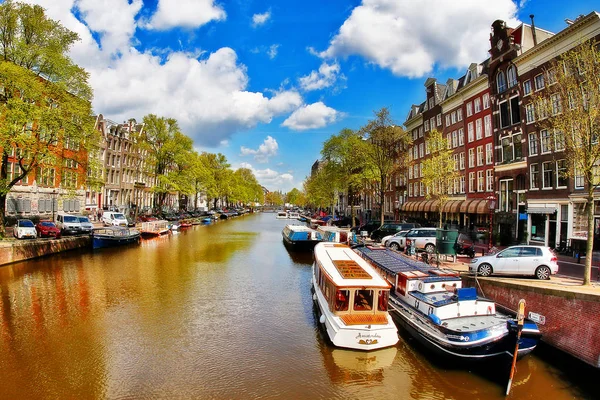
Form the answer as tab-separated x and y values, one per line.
471	182
539	83
534	183
489	180
527	87
480	181
529	113
462	160
487	125
544	183
470	132
469	109
486	101
461	137
471	157
478	129
479	156
477	105
489	153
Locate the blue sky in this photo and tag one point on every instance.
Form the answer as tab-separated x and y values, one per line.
267	82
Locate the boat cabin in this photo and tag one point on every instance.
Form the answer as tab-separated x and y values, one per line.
335	234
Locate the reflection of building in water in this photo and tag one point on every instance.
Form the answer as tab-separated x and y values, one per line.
357	367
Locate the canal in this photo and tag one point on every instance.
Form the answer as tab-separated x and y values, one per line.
221	312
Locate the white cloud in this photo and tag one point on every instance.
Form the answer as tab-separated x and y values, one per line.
271	179
185	13
260	19
325	77
410	37
208	96
272	52
312	116
266	150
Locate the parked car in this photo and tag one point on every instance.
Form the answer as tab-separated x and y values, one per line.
47	229
539	261
396	242
24	228
130	221
86	226
113	218
68	224
423	238
391	228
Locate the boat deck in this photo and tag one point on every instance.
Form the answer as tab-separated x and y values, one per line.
474	323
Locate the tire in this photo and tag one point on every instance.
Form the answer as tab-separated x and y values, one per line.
395	246
485	269
543	272
430	248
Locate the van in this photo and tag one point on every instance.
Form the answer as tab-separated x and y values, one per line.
113	218
68	224
86	224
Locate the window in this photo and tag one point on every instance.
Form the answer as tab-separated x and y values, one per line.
486	101
545	141
462	184
431	102
501	82
453	116
559	141
480	181
439	119
547	175
533	144
489	180
479	155
510	148
515	110
504	115
461	160
447	119
363	300
534	172
478	129
526	87
579	179
449	141
529	113
410	173
420	170
561	173
489	154
454	139
471	182
477	105
461	137
539	82
511	74
342	298
432	123
421	131
556	106
455	161
416	152
487	125
427	126
459	114
469	109
409	190
421	150
470	133
421	189
471	158
427	151
506	190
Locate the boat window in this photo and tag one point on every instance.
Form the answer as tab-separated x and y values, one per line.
382	303
341	300
363	300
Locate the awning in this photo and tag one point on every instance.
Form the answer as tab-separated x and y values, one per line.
541	210
427	205
472	208
483	207
455	207
421	206
434	206
409	206
465	205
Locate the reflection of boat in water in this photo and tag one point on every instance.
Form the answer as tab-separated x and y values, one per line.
352	299
452	321
357	367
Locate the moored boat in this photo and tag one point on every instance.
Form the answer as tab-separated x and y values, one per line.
282	215
335	234
300	237
452	321
155	228
111	236
352	299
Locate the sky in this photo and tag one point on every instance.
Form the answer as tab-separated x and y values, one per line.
266	83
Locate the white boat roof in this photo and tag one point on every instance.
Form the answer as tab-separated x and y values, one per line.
326	228
346	268
299	228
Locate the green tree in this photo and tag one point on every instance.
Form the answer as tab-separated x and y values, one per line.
293	196
274	199
385	153
439	170
45	98
569	108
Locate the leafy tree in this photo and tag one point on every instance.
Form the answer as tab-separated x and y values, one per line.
218	166
45	108
274	199
319	190
385	153
569	109
293	196
439	170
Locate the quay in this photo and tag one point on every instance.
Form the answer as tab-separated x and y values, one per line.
12	251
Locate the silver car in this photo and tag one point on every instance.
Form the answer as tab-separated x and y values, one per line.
538	261
395	242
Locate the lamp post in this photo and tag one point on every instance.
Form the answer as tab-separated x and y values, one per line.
492	206
53	199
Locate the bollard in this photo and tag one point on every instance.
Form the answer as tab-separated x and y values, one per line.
578	255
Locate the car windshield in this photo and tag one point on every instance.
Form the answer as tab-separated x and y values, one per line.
119	216
84	219
47	223
71	219
26	223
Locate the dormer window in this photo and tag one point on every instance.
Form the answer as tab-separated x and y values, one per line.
431	102
501	81
512	76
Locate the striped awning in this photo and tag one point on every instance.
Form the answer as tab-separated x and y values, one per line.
452	206
434	206
483	207
465	205
421	206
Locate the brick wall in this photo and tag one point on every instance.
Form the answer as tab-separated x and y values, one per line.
572	319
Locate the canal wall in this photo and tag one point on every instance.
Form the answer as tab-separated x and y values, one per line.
11	252
570	318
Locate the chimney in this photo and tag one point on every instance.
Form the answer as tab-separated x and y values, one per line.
533	30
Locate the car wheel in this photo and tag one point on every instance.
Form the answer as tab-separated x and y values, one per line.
542	272
430	248
394	246
484	270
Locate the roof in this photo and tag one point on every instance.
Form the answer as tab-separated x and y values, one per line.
346	268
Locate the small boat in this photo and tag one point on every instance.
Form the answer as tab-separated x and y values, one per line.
155	228
185	223
174	226
452	321
207	220
352	299
293	215
300	237
282	215
335	234
112	236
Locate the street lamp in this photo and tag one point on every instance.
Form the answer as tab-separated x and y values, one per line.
492	206
53	197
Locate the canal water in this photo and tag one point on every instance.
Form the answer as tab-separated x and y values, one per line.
216	312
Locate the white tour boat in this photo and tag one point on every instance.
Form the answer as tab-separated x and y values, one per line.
352	299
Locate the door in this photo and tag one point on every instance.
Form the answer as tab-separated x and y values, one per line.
529	260
507	262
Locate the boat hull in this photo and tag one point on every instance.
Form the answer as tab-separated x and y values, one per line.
300	245
99	242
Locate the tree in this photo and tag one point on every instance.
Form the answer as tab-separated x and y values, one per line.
344	158
293	196
274	199
319	189
386	153
570	111
439	170
218	166
45	108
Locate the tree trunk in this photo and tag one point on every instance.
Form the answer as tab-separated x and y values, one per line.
2	215
587	275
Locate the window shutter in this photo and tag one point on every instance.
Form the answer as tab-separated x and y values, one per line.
11	205
41	205
19	205
27	204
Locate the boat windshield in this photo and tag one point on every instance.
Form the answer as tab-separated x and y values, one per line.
341	300
363	300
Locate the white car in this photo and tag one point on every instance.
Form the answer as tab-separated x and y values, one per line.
395	242
24	229
538	261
